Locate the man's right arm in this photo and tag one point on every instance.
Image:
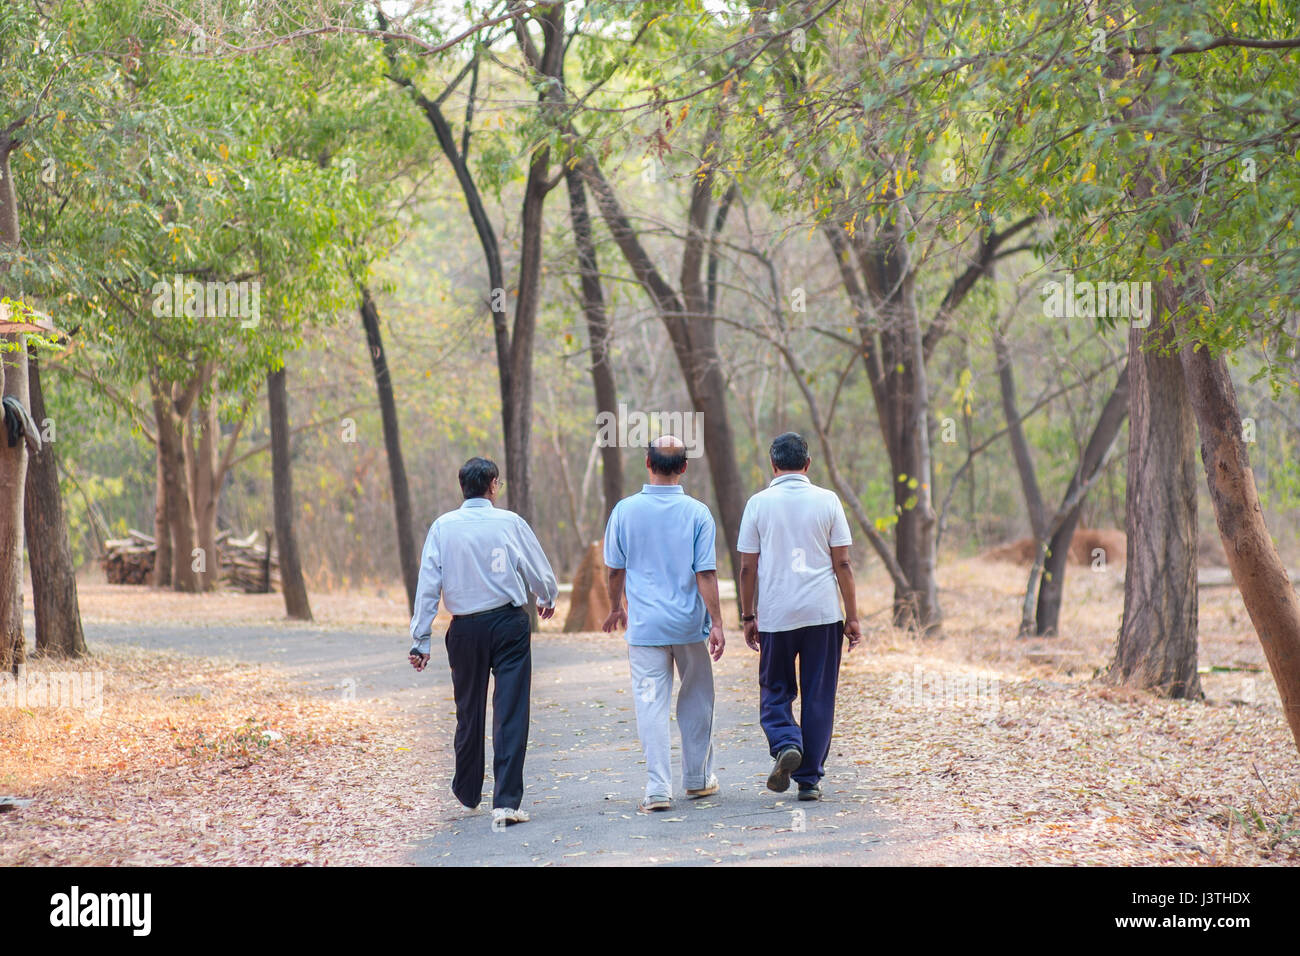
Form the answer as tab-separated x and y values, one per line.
748	546
616	560
428	593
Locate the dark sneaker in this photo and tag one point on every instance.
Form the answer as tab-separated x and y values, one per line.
787	762
809	791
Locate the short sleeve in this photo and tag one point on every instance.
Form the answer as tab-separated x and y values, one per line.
706	558
747	539
615	556
840	535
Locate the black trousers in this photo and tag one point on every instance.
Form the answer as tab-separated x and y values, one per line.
496	643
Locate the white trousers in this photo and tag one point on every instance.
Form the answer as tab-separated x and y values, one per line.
652	689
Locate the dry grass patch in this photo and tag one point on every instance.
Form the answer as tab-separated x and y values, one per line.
205	762
993	749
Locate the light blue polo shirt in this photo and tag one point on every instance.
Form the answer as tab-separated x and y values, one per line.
662	537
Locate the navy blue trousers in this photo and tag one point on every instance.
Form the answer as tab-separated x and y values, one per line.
495	643
817	649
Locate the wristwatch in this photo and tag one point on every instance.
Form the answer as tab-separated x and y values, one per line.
746	618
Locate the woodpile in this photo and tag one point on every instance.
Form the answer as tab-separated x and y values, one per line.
245	565
129	560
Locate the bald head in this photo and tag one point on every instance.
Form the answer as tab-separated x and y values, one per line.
666	455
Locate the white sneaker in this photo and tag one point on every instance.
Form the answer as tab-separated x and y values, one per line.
502	817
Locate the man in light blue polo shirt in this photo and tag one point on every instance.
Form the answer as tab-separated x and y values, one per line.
659	548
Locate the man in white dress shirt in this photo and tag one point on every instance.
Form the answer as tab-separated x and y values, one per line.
482	561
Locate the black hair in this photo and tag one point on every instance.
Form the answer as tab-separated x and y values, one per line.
666	464
476	477
789	452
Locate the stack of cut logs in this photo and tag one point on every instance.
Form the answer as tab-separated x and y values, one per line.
129	560
244	562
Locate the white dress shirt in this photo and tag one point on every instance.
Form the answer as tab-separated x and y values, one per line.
792	525
476	558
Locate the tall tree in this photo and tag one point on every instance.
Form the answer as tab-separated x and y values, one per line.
54	580
292	583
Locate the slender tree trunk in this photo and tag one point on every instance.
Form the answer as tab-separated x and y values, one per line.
207	492
1257	569
1052	586
593	308
13	460
691	332
162	532
13	474
407	550
1016	435
180	518
1157	639
54	577
296	604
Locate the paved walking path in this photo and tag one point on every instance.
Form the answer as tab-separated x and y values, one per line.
584	774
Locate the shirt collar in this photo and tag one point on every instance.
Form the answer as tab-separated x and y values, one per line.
476	503
663	490
787	479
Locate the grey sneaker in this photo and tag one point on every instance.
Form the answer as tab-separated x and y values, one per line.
809	791
654	803
787	762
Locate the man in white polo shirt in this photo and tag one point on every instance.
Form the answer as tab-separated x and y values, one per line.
794	545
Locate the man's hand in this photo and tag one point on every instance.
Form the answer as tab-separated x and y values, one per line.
751	634
617	618
545	613
418	661
716	641
853	631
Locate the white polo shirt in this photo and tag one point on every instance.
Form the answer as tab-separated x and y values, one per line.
792	525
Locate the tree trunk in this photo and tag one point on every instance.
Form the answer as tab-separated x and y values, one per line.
162	533
54	577
1157	639
407	550
207	492
593	308
292	584
180	518
1016	435
1047	616
13	461
1257	569
13	474
691	332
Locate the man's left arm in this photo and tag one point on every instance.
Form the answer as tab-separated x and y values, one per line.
705	565
707	582
843	566
840	540
537	572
